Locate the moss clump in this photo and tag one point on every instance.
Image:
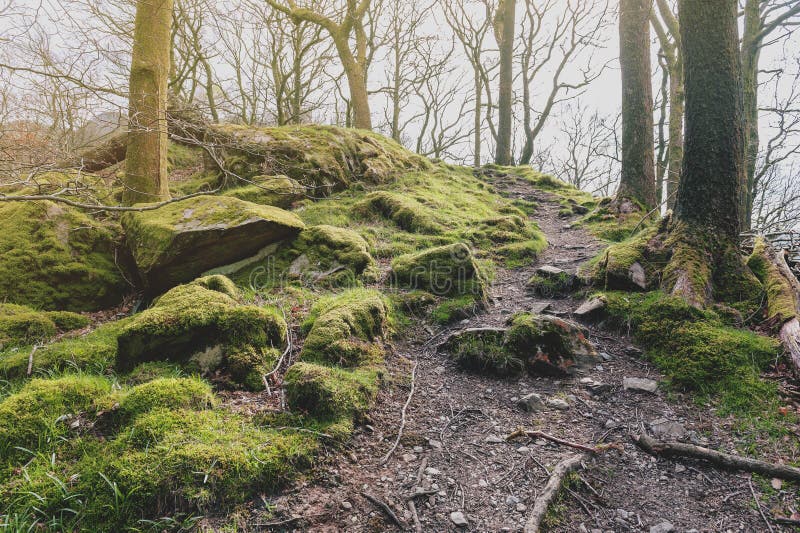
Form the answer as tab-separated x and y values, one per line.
445	270
635	264
616	223
189	322
278	191
548	345
781	304
248	365
407	213
700	352
30	418
552	285
219	284
457	308
485	352
328	247
167	393
152	370
21	325
343	327
328	392
95	350
56	257
68	321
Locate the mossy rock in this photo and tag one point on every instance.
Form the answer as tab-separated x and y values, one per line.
178	242
33	417
406	212
321	249
321	158
196	326
21	325
635	264
56	257
484	351
549	345
453	309
342	329
328	392
278	191
167	393
152	370
444	270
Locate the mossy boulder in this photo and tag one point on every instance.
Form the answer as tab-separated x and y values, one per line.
197	327
404	211
542	344
342	329
57	257
21	325
327	392
278	191
320	158
167	393
635	264
444	270
178	242
34	416
325	252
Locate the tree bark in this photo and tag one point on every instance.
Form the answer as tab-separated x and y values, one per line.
504	29
146	159
750	52
638	179
713	162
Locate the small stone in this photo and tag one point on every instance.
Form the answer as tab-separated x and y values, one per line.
511	500
493	439
430	471
483	483
521	507
531	402
418	449
558	403
666	428
640	384
622	513
663	527
611	423
435	444
582	529
606	356
458	518
638	275
409	457
523	449
679	469
549	271
347	505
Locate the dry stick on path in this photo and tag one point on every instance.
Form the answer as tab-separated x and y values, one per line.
520	432
402	416
720	459
562	469
386	509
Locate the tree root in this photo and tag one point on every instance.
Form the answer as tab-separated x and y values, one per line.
723	460
557	476
521	432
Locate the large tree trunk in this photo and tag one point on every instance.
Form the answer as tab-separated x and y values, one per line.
357	83
146	160
750	52
638	179
504	29
675	143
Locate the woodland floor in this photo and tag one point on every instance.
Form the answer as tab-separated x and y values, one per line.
445	450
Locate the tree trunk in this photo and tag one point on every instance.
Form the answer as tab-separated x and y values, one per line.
146	161
357	83
750	52
638	180
713	162
478	117
675	143
504	24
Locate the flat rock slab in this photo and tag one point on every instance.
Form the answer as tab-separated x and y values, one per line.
640	384
178	242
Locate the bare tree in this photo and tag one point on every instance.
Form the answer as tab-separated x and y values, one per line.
504	30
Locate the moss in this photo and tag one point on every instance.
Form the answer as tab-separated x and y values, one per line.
68	321
610	223
551	286
328	247
547	344
278	191
612	268
167	393
486	353
328	392
56	257
342	328
152	370
30	418
445	270
248	365
191	318
22	325
457	308
219	284
95	350
183	157
781	305
407	213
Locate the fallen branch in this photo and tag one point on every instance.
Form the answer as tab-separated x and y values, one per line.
723	460
758	504
520	432
540	506
385	508
402	416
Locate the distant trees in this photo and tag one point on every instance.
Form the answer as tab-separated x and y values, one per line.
637	180
146	158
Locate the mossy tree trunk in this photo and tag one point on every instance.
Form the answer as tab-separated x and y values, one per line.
504	30
751	52
638	178
146	156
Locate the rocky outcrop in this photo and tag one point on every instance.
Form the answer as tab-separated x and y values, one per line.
178	242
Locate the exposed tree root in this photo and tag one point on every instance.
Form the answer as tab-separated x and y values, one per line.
720	459
557	476
520	432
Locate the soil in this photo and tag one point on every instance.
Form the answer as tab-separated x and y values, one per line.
454	451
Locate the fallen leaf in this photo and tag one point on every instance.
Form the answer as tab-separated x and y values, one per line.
777	483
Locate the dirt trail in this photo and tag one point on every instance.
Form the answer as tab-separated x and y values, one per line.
453	447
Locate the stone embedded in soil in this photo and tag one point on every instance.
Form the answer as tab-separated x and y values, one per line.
663	527
494	439
667	428
591	309
180	241
549	271
640	384
531	402
558	403
458	518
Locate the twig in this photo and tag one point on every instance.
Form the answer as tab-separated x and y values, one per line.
723	460
402	416
286	352
30	357
385	508
550	491
520	432
413	508
758	504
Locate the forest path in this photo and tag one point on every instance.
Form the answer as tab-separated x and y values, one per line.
453	445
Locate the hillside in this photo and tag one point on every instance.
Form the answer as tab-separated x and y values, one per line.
333	324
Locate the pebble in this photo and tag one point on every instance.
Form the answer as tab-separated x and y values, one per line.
409	457
665	428
606	356
458	518
523	449
347	505
640	384
493	439
483	483
531	402
435	444
418	449
679	468
663	527
512	500
430	471
558	403
521	507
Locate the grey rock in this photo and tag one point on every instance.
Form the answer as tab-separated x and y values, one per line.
493	439
558	403
663	527
640	384
549	271
531	402
430	471
638	276
458	518
667	428
347	505
521	507
512	500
